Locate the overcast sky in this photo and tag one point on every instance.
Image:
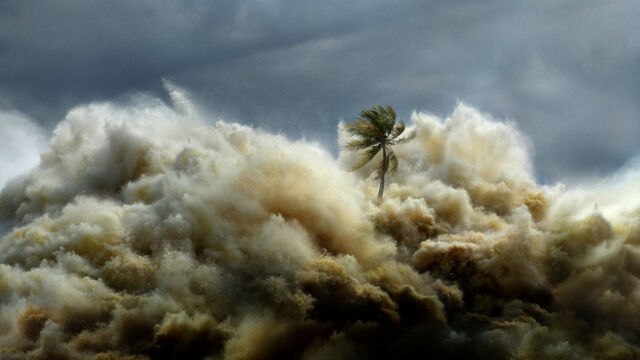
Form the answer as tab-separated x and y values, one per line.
567	72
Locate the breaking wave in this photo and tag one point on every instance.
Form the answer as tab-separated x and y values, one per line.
145	232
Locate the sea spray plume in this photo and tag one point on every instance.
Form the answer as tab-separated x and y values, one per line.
21	140
144	234
375	130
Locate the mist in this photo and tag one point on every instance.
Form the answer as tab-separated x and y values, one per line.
147	230
22	141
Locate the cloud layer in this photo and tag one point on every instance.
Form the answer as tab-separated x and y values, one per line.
565	72
146	233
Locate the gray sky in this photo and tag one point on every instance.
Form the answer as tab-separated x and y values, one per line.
567	72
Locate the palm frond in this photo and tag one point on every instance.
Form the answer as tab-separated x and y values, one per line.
397	130
390	118
359	144
374	117
392	113
393	161
363	128
383	118
367	156
403	140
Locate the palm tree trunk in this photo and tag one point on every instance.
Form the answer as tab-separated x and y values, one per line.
384	171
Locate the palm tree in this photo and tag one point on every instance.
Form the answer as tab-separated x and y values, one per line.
376	129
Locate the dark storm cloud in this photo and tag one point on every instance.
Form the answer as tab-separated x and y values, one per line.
566	73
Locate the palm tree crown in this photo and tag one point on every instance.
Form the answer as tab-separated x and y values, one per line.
376	129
